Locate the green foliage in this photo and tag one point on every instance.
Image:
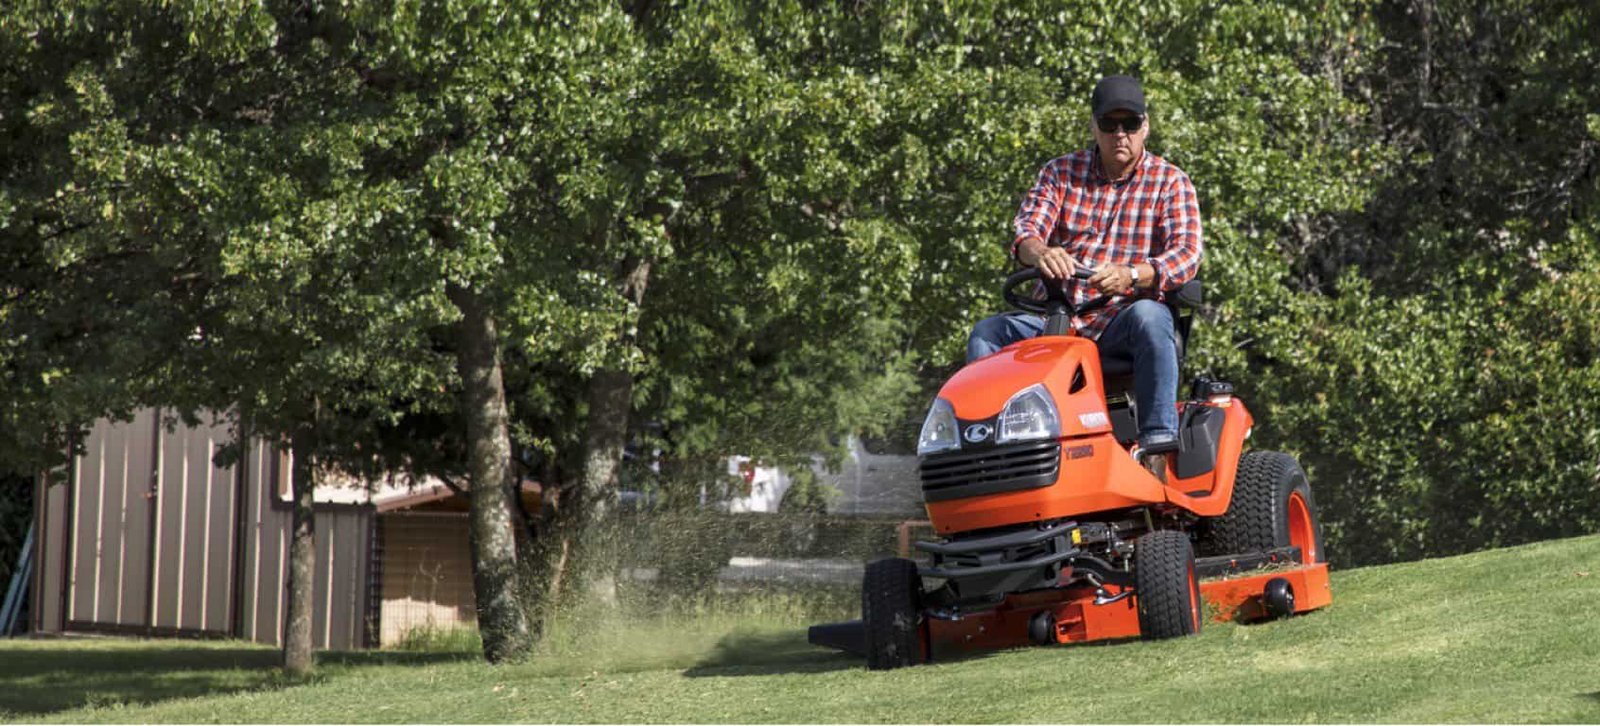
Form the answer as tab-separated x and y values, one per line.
262	206
1437	376
16	515
1444	423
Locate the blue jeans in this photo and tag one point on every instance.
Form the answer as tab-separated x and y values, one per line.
1141	332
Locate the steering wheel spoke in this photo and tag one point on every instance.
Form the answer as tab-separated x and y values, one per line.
1054	293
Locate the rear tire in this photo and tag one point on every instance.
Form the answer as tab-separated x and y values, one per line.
891	614
1271	507
1166	586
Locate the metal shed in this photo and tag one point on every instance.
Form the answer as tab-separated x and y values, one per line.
145	535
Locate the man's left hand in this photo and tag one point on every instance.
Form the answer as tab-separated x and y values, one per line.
1113	280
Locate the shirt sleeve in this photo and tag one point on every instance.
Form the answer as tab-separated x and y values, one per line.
1180	227
1040	208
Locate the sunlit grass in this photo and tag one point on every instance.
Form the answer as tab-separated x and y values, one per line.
1502	636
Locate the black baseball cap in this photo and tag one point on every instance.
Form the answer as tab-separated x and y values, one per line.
1117	93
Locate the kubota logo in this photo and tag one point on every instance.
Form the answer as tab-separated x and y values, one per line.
978	432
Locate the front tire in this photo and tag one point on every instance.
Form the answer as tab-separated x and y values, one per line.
891	614
1166	586
1271	508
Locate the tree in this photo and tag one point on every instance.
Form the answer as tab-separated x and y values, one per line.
261	282
1443	371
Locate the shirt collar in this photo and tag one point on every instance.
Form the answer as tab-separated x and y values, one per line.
1133	172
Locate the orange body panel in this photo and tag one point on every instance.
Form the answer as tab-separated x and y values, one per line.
982	388
1218	484
1081	620
1078	619
1240	598
1097	474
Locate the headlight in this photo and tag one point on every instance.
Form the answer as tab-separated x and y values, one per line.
1031	414
938	430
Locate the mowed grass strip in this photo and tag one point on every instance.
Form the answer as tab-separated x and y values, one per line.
1503	636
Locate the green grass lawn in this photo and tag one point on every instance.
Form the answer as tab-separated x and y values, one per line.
1507	635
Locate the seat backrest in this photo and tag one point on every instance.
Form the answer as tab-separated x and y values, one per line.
1183	302
1191	295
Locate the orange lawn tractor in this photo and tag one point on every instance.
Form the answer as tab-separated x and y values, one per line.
1052	531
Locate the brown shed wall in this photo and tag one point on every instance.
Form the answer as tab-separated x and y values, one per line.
427	573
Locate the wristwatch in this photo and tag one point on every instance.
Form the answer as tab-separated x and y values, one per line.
1134	270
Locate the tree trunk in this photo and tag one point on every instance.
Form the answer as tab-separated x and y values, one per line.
502	621
297	649
610	404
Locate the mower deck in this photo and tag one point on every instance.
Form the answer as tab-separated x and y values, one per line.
1228	594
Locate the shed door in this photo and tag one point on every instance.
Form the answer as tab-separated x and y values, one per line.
153	530
113	503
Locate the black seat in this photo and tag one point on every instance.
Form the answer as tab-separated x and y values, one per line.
1115	367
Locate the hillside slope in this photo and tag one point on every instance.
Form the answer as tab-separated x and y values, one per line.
1506	635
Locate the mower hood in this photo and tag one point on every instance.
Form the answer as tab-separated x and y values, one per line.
1067	366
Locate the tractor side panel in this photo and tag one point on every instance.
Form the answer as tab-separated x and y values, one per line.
1216	486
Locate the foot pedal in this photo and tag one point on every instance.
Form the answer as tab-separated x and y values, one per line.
1154	459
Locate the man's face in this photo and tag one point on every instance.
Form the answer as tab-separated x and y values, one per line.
1119	144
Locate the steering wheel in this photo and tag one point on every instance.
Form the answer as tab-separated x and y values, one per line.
1053	293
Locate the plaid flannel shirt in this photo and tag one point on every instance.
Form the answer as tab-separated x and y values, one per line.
1151	215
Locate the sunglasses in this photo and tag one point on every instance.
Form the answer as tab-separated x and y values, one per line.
1129	124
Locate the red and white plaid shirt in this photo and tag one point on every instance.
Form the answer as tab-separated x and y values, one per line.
1151	215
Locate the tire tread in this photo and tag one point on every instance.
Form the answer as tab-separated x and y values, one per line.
1163	561
1250	524
891	609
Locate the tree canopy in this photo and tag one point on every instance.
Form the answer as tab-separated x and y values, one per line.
746	227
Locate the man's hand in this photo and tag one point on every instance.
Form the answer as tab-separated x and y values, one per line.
1113	280
1053	262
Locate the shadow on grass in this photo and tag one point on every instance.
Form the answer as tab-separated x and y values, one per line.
56	679
765	653
70	675
393	657
760	654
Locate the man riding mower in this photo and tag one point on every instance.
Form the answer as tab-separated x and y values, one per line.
1052	532
1068	509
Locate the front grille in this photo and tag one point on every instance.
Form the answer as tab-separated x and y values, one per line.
991	470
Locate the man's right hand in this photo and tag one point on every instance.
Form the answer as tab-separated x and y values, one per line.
1053	262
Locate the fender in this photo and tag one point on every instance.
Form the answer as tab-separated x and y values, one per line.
1217	485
